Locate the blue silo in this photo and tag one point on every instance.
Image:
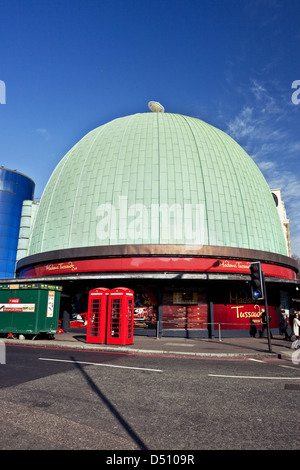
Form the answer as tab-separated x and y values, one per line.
14	189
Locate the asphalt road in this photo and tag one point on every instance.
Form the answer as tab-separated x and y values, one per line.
80	400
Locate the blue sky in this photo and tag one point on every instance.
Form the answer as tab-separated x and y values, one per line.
70	66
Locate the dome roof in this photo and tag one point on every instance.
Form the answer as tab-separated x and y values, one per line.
157	178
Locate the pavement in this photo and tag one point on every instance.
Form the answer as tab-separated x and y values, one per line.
243	347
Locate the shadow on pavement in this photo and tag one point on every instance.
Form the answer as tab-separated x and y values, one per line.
111	407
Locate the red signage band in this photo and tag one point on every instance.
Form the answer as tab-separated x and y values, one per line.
238	317
210	265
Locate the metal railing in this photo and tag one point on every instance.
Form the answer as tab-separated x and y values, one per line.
195	325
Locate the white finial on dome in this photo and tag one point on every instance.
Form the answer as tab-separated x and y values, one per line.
156	107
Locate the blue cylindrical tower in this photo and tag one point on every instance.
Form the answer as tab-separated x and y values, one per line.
14	189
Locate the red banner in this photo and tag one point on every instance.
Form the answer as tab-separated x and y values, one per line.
237	317
155	264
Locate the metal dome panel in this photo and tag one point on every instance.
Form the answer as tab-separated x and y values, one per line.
157	178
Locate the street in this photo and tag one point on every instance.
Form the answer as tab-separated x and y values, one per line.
71	399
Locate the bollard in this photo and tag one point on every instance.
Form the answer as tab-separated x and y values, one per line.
2	353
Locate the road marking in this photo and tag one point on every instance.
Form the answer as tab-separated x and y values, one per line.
97	364
289	367
256	360
253	377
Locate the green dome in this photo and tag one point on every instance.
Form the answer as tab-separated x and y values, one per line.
157	178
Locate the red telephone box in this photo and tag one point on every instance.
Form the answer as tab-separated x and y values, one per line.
120	316
97	315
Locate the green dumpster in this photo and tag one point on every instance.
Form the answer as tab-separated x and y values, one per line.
29	309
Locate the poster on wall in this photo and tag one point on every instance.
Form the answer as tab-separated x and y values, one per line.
174	317
50	305
145	308
17	307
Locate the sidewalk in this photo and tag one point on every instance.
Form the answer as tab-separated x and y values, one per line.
169	346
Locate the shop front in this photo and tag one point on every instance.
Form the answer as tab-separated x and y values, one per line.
175	294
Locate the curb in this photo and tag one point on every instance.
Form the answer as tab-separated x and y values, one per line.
125	350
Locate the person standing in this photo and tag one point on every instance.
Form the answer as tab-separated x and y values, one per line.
264	323
284	324
296	325
253	329
290	322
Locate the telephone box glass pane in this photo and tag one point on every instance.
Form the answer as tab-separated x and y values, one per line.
95	317
130	317
115	320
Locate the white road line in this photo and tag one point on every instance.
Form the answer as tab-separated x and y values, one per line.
256	360
97	364
253	377
289	367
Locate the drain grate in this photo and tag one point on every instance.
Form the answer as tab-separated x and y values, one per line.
292	387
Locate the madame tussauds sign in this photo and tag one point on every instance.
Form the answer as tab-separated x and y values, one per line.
236	317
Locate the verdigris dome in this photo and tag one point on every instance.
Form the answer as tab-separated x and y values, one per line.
157	178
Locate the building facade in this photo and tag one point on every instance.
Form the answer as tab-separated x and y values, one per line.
174	209
14	189
283	218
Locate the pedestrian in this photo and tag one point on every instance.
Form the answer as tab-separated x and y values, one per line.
253	329
296	325
264	323
291	322
66	321
284	324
